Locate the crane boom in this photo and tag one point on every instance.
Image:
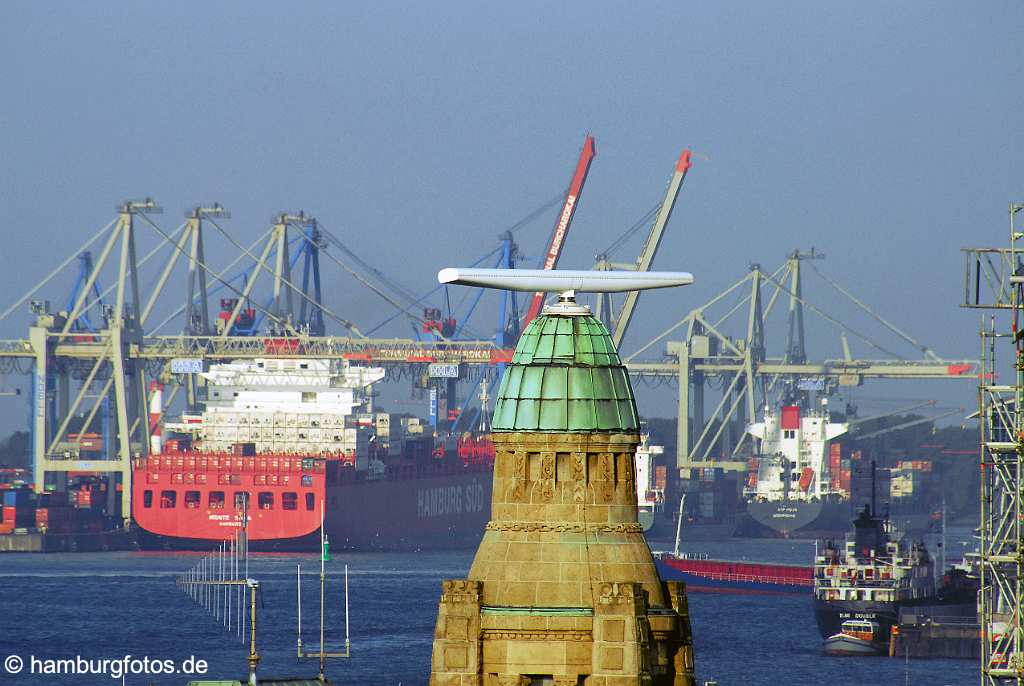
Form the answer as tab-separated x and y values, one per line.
572	199
646	258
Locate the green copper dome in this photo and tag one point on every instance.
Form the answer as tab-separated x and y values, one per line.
565	376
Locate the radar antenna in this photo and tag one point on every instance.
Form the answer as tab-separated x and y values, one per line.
566	282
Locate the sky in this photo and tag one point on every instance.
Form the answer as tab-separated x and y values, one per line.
885	135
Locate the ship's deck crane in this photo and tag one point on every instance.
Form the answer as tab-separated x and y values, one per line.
572	200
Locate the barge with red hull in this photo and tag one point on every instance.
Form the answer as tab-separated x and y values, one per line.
735	576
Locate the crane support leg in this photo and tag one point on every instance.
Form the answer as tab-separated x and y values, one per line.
682	418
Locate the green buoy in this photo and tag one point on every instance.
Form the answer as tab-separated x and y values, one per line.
326	557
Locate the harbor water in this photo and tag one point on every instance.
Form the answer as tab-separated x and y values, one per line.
107	606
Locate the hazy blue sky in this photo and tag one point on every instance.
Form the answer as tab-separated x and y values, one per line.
886	135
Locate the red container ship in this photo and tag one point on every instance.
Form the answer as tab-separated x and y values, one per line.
279	443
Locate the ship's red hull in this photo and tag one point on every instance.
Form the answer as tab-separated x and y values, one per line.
183	499
727	576
191	501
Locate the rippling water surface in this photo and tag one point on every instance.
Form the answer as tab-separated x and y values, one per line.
106	606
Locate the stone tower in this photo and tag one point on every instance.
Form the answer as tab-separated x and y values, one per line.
563	589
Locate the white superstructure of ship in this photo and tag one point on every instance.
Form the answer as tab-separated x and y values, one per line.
793	460
297	406
650	495
897	570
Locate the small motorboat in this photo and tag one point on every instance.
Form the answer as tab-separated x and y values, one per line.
856	637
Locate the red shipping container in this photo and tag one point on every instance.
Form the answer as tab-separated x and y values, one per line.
791	417
660	476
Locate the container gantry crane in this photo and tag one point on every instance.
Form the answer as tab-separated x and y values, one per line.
618	326
572	201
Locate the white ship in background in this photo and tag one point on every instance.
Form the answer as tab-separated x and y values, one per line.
650	481
797	488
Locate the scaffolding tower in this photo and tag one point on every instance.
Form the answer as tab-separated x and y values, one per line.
994	280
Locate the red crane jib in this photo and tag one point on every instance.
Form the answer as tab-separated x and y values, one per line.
572	199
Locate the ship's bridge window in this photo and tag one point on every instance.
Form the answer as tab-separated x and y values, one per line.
168	499
789	433
192	499
241	499
310	502
147	499
266	500
290	501
216	500
795	476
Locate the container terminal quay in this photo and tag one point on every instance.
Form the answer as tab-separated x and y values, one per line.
115	398
236	398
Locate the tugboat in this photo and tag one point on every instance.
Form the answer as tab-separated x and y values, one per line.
859	590
856	637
